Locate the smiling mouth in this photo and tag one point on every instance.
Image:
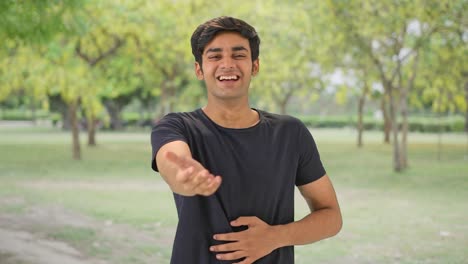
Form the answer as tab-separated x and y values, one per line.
224	78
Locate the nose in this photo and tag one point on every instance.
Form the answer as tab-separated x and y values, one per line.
227	63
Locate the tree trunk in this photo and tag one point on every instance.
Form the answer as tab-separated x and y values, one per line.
114	113
92	131
360	125
439	137
163	102
361	103
57	104
387	125
66	123
397	166
404	128
283	101
33	111
75	130
159	112
466	103
439	124
282	106
171	99
405	89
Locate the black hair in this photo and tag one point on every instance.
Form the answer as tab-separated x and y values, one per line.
208	30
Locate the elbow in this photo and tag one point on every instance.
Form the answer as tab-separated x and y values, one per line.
338	223
335	222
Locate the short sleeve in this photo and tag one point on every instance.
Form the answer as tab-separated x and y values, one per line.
310	166
169	128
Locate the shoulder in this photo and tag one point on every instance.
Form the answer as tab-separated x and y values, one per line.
182	115
281	120
181	118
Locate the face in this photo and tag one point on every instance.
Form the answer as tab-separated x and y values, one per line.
227	67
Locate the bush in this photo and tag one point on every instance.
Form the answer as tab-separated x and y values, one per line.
425	124
415	124
22	115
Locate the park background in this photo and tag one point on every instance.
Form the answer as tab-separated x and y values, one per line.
383	86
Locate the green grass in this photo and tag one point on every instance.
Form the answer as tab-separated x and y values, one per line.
75	235
418	216
131	207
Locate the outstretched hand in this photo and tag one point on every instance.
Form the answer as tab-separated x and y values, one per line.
192	177
259	240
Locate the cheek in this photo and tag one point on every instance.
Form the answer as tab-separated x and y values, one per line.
249	67
208	68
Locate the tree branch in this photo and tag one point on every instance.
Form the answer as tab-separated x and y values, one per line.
118	42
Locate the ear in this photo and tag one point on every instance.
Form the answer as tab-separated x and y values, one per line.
255	66
198	71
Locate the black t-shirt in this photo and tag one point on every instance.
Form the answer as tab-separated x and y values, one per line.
260	167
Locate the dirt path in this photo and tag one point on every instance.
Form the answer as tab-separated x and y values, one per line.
23	238
27	237
21	246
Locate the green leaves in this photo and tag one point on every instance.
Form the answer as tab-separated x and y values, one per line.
303	43
36	21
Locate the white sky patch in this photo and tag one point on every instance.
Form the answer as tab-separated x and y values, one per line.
414	28
404	52
315	70
375	45
376	86
339	78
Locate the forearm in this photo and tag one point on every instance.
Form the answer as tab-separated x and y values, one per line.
183	174
316	226
169	176
168	169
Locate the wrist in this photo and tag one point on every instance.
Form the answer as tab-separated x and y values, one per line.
282	236
180	190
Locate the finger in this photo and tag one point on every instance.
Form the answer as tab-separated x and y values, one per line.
184	175
200	179
211	184
210	187
245	221
232	255
233	236
215	183
232	246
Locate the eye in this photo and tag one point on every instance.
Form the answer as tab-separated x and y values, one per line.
239	56
214	57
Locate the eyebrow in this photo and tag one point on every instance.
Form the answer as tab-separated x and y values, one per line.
236	48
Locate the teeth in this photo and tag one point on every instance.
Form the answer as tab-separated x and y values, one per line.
233	77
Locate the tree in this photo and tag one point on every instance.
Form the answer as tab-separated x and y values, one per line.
36	22
69	77
288	63
97	52
392	36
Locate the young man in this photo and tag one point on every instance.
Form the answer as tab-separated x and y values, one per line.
233	168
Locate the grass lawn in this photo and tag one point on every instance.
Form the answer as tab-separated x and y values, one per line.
111	206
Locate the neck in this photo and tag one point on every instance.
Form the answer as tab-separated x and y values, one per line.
241	116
